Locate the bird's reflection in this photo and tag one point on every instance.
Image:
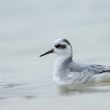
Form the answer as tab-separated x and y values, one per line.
71	90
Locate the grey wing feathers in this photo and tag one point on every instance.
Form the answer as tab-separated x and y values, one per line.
100	68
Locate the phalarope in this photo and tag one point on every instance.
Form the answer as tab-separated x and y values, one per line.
66	71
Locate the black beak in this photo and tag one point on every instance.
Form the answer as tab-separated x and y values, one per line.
50	51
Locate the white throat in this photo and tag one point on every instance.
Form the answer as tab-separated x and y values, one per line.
59	67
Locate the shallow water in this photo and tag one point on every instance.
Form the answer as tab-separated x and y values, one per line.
28	28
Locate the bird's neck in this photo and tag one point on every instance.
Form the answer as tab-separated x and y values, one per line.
62	62
64	59
60	67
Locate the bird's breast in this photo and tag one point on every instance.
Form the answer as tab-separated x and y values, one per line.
60	70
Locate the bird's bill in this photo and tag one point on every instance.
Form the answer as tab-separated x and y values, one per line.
48	52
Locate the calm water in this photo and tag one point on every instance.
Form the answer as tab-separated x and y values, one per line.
28	28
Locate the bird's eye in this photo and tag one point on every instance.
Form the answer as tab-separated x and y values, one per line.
60	46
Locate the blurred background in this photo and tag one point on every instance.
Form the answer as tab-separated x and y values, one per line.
28	29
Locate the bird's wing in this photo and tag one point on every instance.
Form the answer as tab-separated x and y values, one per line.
98	69
80	77
88	74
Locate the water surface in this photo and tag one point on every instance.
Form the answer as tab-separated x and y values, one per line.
28	28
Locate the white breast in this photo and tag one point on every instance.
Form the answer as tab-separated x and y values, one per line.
58	72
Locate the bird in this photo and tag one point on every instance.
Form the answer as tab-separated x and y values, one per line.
68	72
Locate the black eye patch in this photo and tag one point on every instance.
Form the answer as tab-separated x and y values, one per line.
60	46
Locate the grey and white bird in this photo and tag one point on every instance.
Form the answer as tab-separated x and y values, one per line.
67	72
